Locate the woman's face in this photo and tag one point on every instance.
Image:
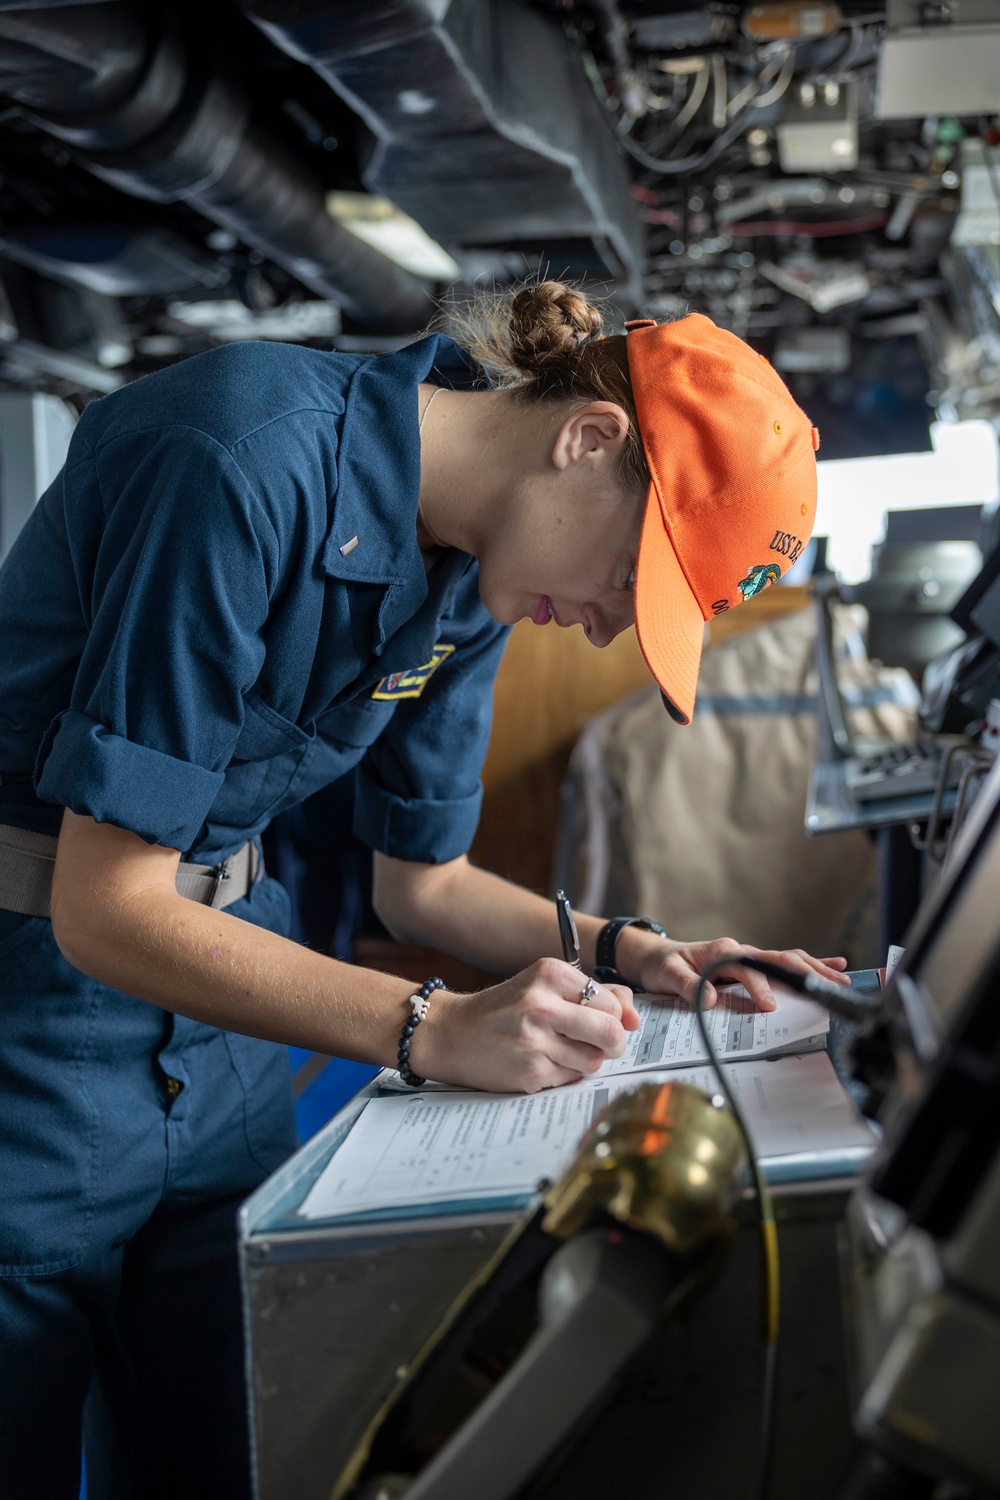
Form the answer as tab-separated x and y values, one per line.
567	548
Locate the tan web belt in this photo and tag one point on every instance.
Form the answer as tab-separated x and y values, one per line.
28	859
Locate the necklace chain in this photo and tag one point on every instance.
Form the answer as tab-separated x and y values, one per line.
435	392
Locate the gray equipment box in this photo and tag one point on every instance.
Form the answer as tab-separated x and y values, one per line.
335	1312
950	68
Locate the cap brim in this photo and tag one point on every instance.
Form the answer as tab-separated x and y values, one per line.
668	618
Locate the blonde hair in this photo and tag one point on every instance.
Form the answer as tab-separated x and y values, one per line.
542	342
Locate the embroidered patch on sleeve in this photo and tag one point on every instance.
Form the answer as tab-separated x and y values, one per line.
411	683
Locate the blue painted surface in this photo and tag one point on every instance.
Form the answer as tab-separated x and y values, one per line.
336	1084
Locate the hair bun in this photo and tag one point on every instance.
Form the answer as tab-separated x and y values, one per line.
548	320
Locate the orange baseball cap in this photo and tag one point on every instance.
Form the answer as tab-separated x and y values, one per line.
732	500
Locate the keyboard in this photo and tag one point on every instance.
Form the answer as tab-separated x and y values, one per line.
900	771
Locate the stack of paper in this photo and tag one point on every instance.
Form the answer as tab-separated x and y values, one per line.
443	1147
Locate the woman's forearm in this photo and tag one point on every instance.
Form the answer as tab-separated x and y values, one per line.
231	974
214	968
474	914
117	916
489	922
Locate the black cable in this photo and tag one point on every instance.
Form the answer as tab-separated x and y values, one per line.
769	1240
667	166
821	990
830	996
674	166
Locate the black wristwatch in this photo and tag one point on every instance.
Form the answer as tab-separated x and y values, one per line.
607	941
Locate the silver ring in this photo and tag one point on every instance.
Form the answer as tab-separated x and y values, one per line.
588	992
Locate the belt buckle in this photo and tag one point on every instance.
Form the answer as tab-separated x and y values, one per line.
220	873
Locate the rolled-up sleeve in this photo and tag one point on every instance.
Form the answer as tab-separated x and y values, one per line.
419	790
176	599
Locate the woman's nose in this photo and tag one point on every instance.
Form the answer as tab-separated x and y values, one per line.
601	626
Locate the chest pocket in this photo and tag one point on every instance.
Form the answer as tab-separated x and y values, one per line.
359	722
267	755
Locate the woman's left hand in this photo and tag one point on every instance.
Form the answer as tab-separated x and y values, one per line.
673	969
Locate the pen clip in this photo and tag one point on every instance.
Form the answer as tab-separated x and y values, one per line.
568	934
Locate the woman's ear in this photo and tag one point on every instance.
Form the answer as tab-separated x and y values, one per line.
594	434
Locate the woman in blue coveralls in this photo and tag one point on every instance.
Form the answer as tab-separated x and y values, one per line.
259	570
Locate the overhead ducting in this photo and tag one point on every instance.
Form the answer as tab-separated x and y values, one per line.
120	84
118	260
484	127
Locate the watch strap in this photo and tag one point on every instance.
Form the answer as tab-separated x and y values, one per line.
607	942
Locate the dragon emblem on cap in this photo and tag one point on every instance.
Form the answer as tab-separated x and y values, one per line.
757	580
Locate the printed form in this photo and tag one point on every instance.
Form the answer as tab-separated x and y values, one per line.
669	1036
406	1151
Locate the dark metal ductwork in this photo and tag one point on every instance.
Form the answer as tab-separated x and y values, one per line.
485	128
119	85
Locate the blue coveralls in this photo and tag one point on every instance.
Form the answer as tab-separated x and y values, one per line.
190	643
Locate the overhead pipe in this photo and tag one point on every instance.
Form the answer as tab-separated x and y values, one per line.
121	87
484	127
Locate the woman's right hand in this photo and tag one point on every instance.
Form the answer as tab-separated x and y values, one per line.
526	1034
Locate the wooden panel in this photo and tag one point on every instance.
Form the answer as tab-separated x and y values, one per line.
550	683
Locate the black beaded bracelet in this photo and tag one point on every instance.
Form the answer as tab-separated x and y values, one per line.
605	971
419	1006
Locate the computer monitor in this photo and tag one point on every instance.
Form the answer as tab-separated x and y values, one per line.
942	1116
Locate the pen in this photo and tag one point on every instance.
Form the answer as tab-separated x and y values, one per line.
568	934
